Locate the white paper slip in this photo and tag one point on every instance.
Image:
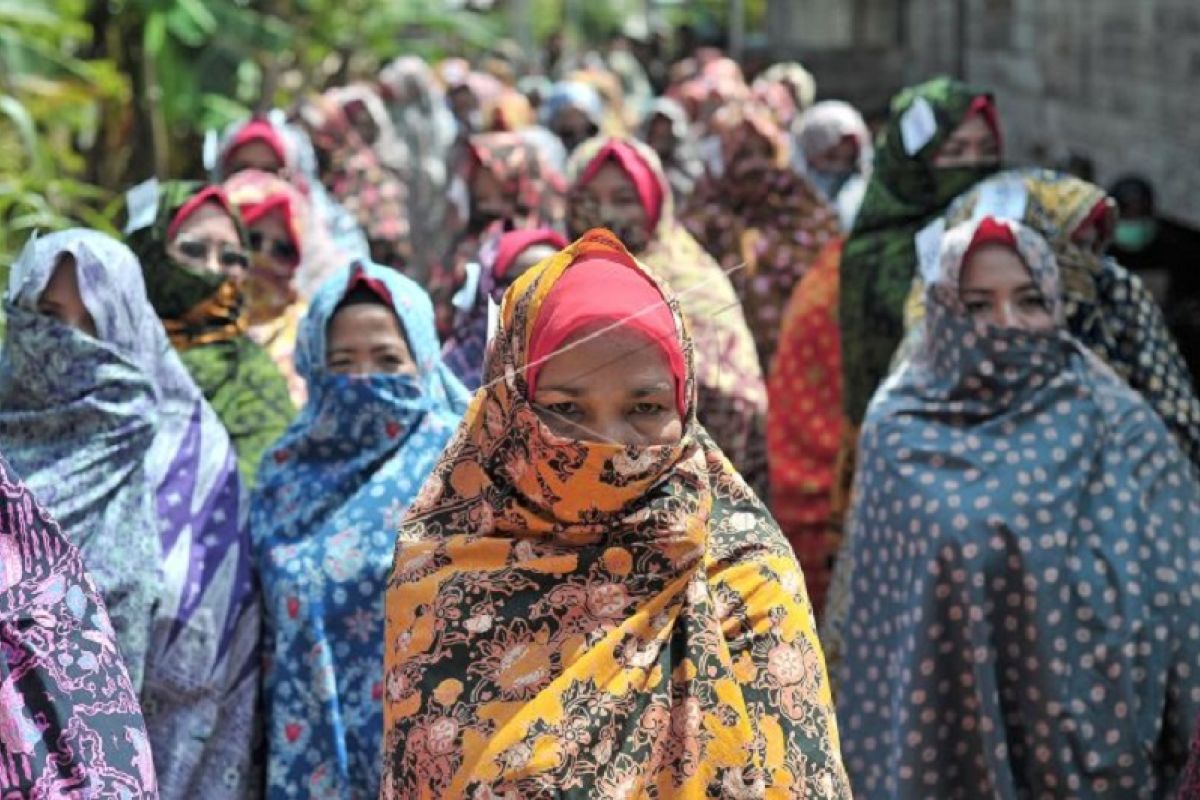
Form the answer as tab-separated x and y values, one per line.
1002	198
493	323
917	126
142	202
928	242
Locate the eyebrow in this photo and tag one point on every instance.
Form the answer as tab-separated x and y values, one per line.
656	388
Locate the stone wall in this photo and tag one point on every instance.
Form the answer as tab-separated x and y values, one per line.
1113	82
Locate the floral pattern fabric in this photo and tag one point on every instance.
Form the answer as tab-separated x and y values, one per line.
200	684
70	725
367	443
205	314
1021	560
595	620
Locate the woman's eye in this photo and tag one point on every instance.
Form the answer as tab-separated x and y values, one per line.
1034	302
978	307
562	409
648	409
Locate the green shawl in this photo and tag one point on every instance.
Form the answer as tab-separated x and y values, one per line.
205	318
905	193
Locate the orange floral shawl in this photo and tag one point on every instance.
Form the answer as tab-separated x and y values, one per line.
596	620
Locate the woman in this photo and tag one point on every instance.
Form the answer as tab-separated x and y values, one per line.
942	138
585	596
1108	308
1023	553
574	112
763	222
191	245
332	491
365	166
503	257
833	149
666	129
270	144
289	259
113	435
620	184
507	179
70	726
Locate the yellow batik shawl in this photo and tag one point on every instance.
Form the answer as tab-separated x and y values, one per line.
596	620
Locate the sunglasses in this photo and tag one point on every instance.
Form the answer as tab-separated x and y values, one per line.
200	250
279	249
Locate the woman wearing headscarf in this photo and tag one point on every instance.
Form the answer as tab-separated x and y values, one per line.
70	726
798	86
763	222
289	258
191	245
365	166
271	144
834	151
1021	617
620	184
381	408
585	596
942	138
573	111
113	435
503	256
507	179
666	129
1108	308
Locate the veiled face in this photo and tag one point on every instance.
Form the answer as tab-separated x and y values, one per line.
61	299
616	387
997	288
208	240
972	144
609	200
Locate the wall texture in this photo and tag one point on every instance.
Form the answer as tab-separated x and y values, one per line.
1115	82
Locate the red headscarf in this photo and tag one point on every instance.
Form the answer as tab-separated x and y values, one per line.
257	130
209	194
991	231
605	289
253	212
648	186
513	243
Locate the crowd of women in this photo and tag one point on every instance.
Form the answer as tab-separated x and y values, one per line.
468	434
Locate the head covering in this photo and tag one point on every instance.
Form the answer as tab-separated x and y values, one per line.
646	182
684	167
533	189
499	250
205	317
762	221
1107	307
120	444
368	177
572	94
799	83
732	398
54	704
277	300
601	293
80	414
424	123
906	192
1056	538
583	567
820	129
299	169
368	442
